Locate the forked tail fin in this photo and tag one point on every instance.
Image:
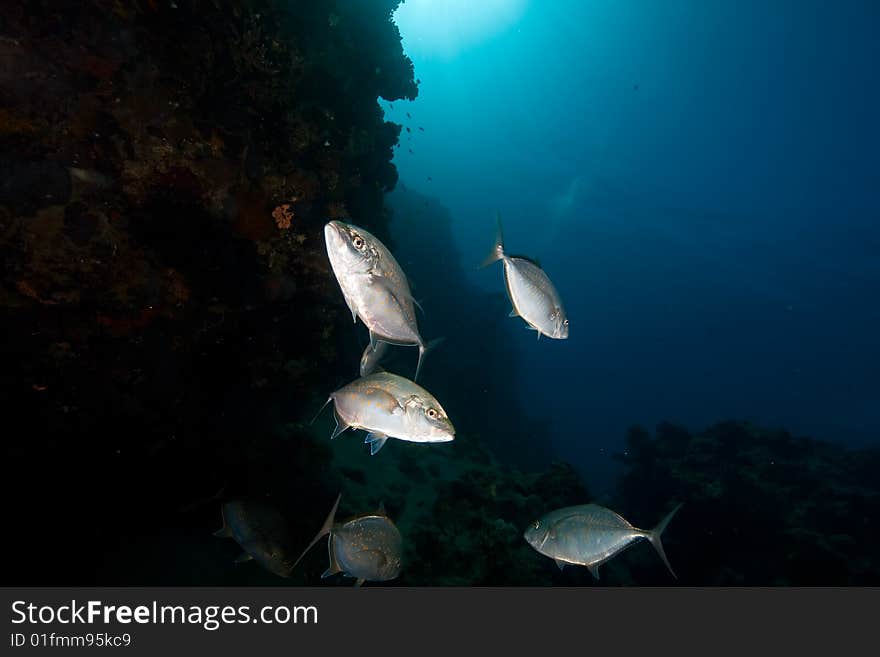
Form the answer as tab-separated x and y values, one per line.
497	252
654	537
424	349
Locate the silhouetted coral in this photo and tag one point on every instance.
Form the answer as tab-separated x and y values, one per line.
165	174
760	507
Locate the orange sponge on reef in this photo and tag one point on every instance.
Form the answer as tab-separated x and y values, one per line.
283	215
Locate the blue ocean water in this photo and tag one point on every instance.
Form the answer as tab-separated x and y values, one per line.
700	181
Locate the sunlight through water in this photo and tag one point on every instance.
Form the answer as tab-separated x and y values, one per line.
443	28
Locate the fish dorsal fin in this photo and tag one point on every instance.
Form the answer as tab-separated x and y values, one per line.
323	406
381	510
341	425
326	528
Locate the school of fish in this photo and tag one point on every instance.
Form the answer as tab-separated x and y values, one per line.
385	405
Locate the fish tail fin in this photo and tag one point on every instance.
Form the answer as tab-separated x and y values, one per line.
423	350
325	529
654	537
497	252
323	406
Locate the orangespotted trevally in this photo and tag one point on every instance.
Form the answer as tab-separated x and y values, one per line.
366	547
389	406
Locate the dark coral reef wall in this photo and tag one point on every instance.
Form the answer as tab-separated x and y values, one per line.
761	507
165	172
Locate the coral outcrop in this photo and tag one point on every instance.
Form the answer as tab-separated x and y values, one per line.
165	171
761	507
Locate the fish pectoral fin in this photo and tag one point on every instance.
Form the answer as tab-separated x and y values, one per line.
513	313
376	441
382	400
352	308
560	563
332	569
224	531
360	581
243	558
594	569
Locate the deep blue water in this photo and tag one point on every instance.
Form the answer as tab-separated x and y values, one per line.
699	179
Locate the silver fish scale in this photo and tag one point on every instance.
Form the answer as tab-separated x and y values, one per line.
592	537
532	295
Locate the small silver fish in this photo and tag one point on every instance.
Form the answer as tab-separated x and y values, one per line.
367	547
261	531
389	406
531	293
374	286
371	357
589	535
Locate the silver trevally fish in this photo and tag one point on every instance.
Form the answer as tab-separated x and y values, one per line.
261	531
389	406
367	547
371	357
531	293
374	286
589	535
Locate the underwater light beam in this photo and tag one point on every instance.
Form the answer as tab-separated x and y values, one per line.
443	28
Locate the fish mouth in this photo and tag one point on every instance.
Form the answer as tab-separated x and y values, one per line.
333	233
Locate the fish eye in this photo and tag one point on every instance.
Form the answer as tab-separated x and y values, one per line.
432	413
565	322
358	242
